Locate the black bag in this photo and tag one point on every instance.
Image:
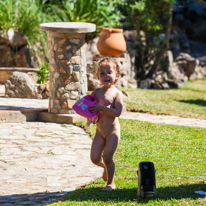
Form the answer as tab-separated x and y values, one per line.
146	179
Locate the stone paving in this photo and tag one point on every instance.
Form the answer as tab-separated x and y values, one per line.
163	119
41	162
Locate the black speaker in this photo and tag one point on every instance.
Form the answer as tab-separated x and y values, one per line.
146	179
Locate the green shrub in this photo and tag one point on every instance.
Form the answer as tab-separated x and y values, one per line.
100	12
43	73
26	16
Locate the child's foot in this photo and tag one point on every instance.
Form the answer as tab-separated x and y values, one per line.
104	175
109	187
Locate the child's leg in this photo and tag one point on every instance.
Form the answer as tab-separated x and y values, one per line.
98	145
110	147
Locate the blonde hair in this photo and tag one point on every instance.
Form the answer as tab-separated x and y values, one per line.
107	60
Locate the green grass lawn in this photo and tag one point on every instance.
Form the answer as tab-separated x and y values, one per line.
179	157
178	152
189	101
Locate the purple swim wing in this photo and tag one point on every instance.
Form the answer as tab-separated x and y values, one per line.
81	107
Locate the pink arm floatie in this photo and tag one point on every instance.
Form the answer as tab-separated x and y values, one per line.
81	107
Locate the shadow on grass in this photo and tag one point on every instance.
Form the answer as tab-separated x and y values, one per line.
199	102
95	194
130	195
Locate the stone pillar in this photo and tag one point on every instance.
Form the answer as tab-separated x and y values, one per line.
67	64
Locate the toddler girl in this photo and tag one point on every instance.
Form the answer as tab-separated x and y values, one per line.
109	105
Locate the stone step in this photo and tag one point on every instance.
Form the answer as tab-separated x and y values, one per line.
20	115
58	118
31	115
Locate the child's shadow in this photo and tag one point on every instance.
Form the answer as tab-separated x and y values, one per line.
130	195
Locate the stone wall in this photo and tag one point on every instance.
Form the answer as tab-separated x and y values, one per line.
67	70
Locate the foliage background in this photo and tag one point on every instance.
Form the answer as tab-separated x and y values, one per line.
26	16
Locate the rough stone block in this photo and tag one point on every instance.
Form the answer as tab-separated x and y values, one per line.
62	42
60	50
64	104
61	70
76	76
76	67
74	94
61	56
70	103
75	60
73	86
75	41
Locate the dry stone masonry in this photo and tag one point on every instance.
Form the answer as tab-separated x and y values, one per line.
67	64
67	71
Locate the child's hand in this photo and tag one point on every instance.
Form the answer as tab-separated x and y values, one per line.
95	108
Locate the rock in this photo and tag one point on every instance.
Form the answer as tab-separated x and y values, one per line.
4	41
193	77
91	50
165	85
132	83
18	41
187	63
199	73
22	58
6	55
73	86
76	76
156	85
42	91
133	86
123	82
14	52
74	95
145	84
130	35
176	73
20	85
92	82
177	84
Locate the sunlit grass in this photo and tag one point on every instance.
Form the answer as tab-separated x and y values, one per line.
178	154
189	101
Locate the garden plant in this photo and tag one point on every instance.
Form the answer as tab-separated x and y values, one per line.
26	15
43	73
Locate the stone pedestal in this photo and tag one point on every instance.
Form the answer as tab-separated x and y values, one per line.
67	64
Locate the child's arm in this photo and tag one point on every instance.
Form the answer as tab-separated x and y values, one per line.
114	112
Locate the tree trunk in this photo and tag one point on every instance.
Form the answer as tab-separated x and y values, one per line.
164	46
140	59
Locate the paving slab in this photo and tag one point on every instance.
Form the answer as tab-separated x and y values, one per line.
41	162
164	119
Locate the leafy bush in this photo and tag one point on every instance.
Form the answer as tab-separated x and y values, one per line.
27	15
43	73
100	12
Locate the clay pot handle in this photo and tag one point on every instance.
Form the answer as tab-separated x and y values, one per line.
109	32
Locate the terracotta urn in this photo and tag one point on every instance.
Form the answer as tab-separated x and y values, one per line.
111	42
